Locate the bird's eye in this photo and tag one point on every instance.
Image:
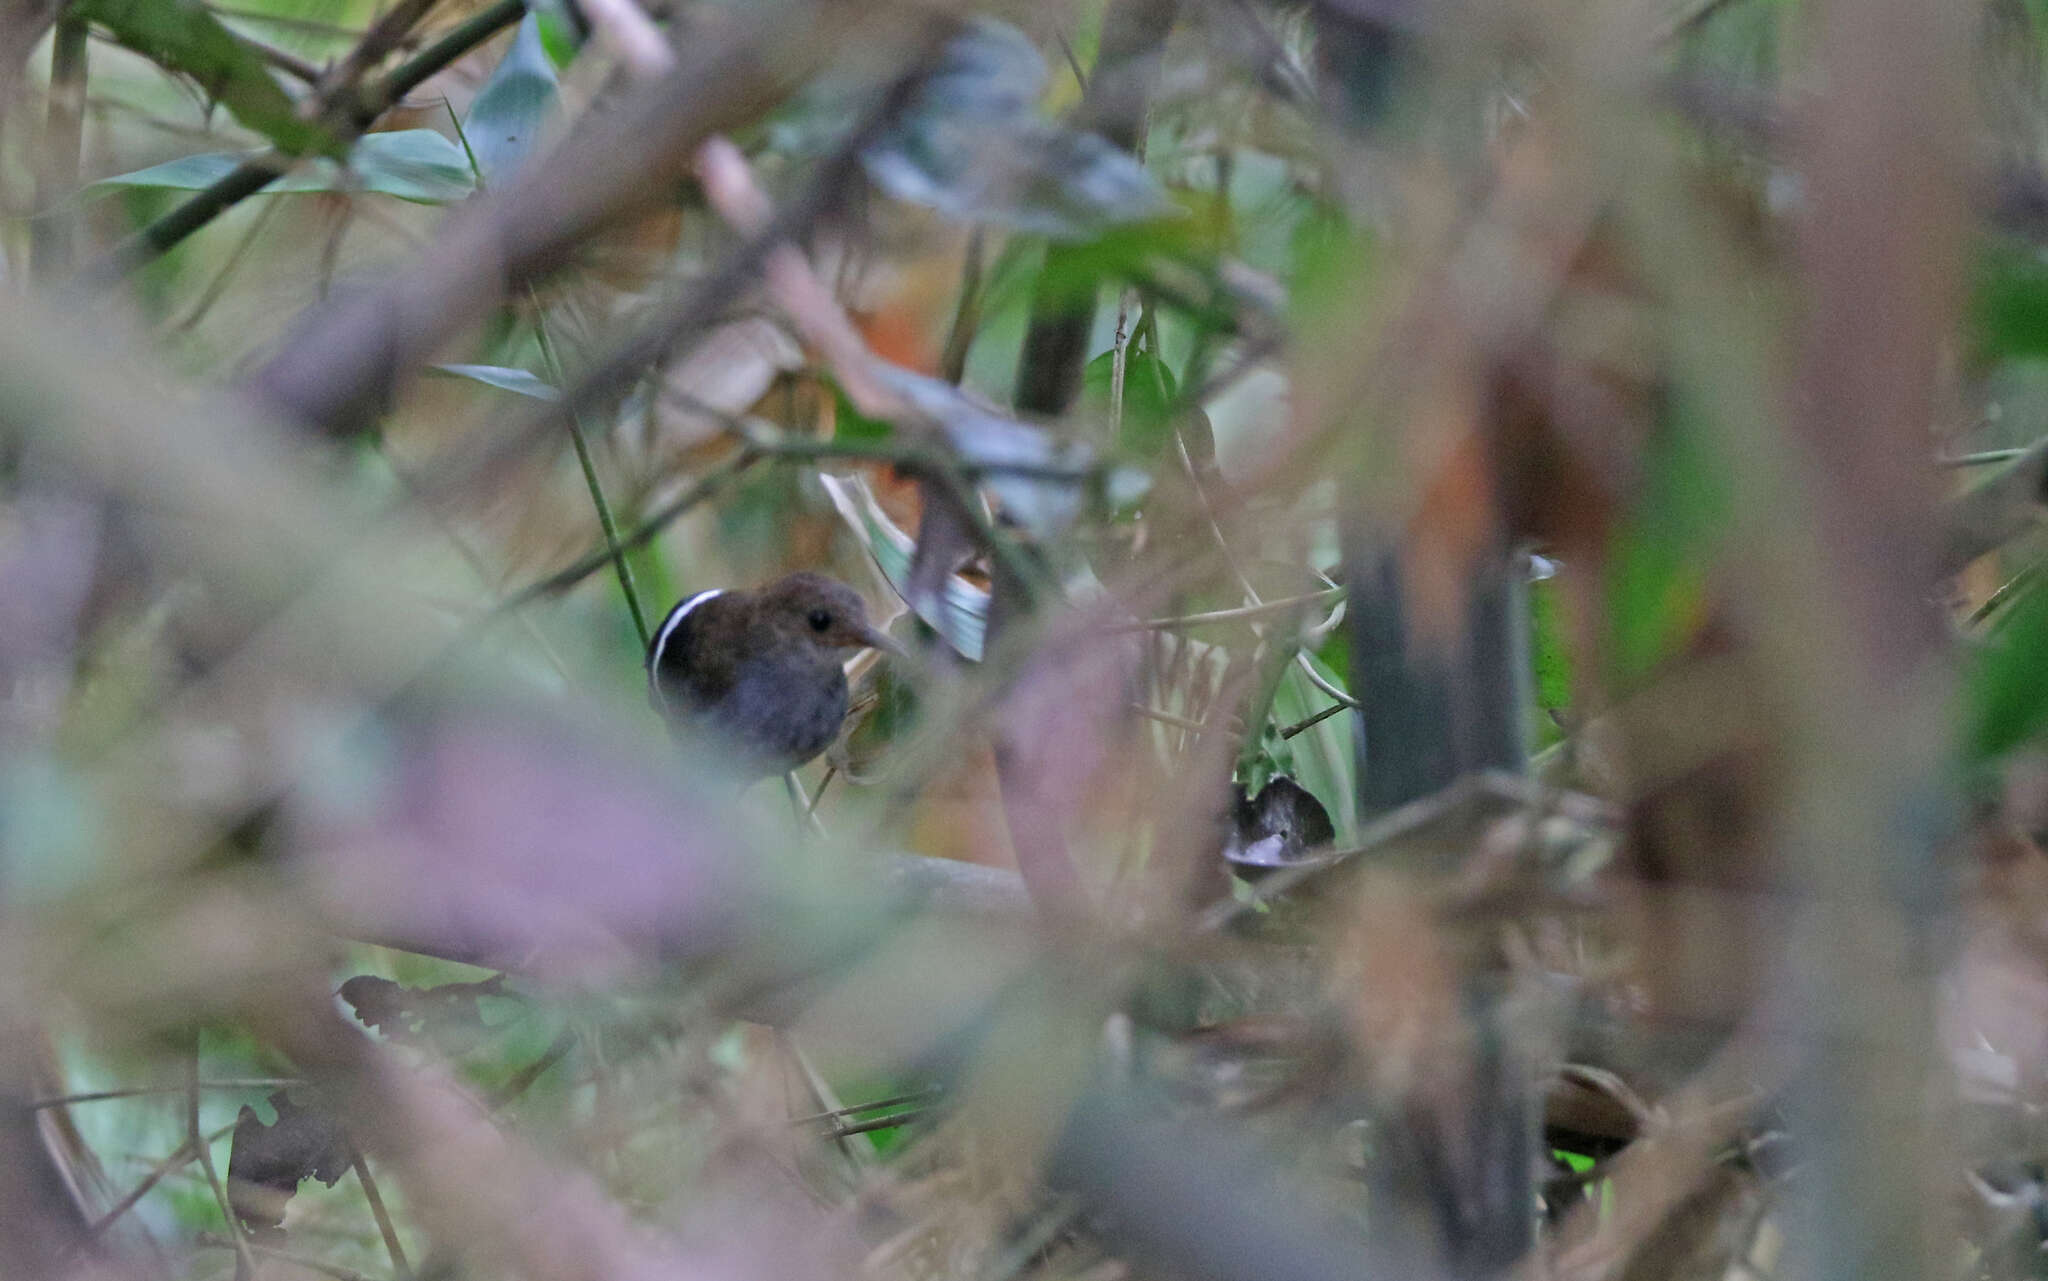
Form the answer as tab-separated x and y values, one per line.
821	620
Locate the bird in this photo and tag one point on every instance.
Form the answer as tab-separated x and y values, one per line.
761	670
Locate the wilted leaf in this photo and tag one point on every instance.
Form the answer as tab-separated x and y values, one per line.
418	165
974	148
510	111
266	1163
450	1017
963	621
504	378
183	37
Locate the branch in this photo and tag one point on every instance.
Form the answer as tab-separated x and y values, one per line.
347	356
336	102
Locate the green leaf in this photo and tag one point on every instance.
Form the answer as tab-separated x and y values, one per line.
1552	660
2005	691
850	426
1656	571
964	622
182	37
505	122
418	165
2009	303
504	378
1150	396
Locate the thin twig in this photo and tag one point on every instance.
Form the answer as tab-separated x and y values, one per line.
854	1109
385	1228
890	1122
522	1080
178	1157
283	59
578	570
966	313
1119	363
1168	718
831	772
1310	722
232	263
245	1267
96	1096
2004	593
1239	614
1982	458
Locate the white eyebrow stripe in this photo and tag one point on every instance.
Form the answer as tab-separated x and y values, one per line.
668	627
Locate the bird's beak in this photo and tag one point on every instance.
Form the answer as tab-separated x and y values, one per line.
875	638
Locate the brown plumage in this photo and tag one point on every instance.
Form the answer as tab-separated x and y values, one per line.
761	670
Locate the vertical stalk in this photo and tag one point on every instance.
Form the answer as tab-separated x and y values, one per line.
52	234
597	499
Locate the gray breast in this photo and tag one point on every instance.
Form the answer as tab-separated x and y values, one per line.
784	718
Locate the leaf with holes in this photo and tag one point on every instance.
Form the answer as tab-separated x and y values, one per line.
266	1163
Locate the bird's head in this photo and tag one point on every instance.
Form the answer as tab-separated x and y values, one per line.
820	613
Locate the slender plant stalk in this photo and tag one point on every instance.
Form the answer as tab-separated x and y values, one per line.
96	1096
966	313
613	547
245	1266
385	1228
53	232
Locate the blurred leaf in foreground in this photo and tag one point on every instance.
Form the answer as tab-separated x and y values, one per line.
974	147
